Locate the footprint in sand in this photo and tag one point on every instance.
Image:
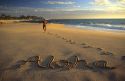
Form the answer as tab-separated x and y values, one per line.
71	41
63	38
99	49
58	36
85	45
50	33
105	53
67	40
55	34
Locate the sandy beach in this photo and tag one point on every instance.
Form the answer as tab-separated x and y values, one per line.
19	41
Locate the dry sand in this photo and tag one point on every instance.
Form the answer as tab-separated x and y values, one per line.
22	40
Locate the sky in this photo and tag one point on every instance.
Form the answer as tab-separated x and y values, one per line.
65	9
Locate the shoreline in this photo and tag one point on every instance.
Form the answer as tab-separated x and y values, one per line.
98	29
17	22
85	28
82	27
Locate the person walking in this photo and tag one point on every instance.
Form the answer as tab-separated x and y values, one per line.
44	25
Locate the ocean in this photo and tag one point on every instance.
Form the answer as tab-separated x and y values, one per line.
96	24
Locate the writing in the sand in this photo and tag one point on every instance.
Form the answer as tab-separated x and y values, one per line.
72	62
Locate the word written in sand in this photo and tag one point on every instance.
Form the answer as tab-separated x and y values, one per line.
74	62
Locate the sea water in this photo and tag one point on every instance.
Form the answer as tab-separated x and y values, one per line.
97	24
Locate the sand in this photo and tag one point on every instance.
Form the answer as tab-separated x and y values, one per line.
19	41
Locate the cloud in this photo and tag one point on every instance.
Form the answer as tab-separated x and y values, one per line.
60	2
101	2
109	5
122	1
70	11
76	6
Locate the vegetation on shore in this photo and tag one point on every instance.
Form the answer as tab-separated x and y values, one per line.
9	17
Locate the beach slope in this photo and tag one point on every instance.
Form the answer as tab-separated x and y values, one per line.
20	41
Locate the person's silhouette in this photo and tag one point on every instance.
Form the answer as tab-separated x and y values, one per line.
44	25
